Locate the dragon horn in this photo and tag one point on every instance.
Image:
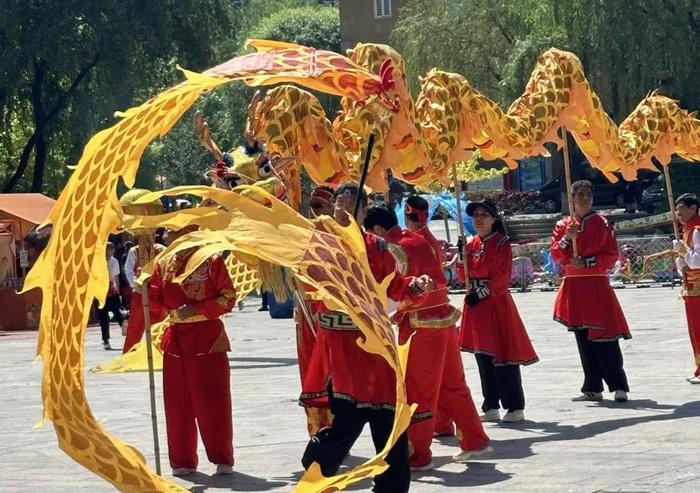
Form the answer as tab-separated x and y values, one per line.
204	136
253	116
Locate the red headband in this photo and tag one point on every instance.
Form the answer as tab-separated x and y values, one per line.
322	194
422	214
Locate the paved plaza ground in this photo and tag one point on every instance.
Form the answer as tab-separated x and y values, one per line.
650	443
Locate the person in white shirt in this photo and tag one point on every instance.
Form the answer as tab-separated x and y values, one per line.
113	301
688	264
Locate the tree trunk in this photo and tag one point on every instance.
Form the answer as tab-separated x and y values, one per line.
40	152
40	69
41	121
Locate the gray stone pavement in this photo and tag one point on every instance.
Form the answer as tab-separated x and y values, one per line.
647	444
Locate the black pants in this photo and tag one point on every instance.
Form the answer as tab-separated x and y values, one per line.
331	445
263	297
112	304
500	385
600	361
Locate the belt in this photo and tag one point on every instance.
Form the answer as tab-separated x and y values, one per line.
336	321
475	284
691	289
433	323
585	272
174	319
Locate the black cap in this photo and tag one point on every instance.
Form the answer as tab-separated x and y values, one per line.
486	204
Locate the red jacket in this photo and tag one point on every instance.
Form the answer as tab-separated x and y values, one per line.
208	289
585	299
435	244
415	257
361	378
596	244
493	326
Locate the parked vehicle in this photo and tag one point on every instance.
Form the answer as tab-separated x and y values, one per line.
606	193
653	195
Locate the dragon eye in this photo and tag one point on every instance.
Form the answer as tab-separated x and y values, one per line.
265	169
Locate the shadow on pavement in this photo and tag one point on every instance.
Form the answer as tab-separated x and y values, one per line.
241	482
475	474
263	363
554	432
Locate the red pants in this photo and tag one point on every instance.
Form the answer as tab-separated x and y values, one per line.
435	368
135	326
197	393
314	372
692	312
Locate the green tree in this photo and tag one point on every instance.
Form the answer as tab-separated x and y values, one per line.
66	67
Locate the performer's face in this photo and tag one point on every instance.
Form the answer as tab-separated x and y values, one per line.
321	207
483	221
583	200
344	207
685	213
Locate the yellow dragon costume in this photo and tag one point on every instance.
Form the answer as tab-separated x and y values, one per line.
418	141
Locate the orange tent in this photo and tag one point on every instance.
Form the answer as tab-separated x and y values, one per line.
20	213
27	210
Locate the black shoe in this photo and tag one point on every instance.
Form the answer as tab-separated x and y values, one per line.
263	309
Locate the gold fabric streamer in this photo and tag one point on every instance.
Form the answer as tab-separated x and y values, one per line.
325	255
72	272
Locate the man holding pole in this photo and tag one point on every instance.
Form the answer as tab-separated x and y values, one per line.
363	384
434	361
586	304
688	263
196	375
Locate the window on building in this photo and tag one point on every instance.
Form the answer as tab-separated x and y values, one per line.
382	8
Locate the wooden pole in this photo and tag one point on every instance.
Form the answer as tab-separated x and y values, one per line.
569	193
458	199
447	225
671	202
365	169
151	375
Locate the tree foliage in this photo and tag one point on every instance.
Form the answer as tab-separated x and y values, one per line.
67	66
628	48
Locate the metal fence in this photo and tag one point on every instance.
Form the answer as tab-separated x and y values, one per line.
642	261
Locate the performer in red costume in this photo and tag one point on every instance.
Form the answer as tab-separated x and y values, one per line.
586	304
688	263
363	384
491	326
195	365
311	346
138	256
416	212
434	361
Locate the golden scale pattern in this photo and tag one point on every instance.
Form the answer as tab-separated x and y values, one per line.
71	271
450	119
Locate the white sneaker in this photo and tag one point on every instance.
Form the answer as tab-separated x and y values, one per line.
183	471
620	396
693	380
223	469
491	416
427	467
106	346
466	455
588	396
514	416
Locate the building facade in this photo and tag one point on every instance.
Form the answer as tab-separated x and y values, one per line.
367	21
